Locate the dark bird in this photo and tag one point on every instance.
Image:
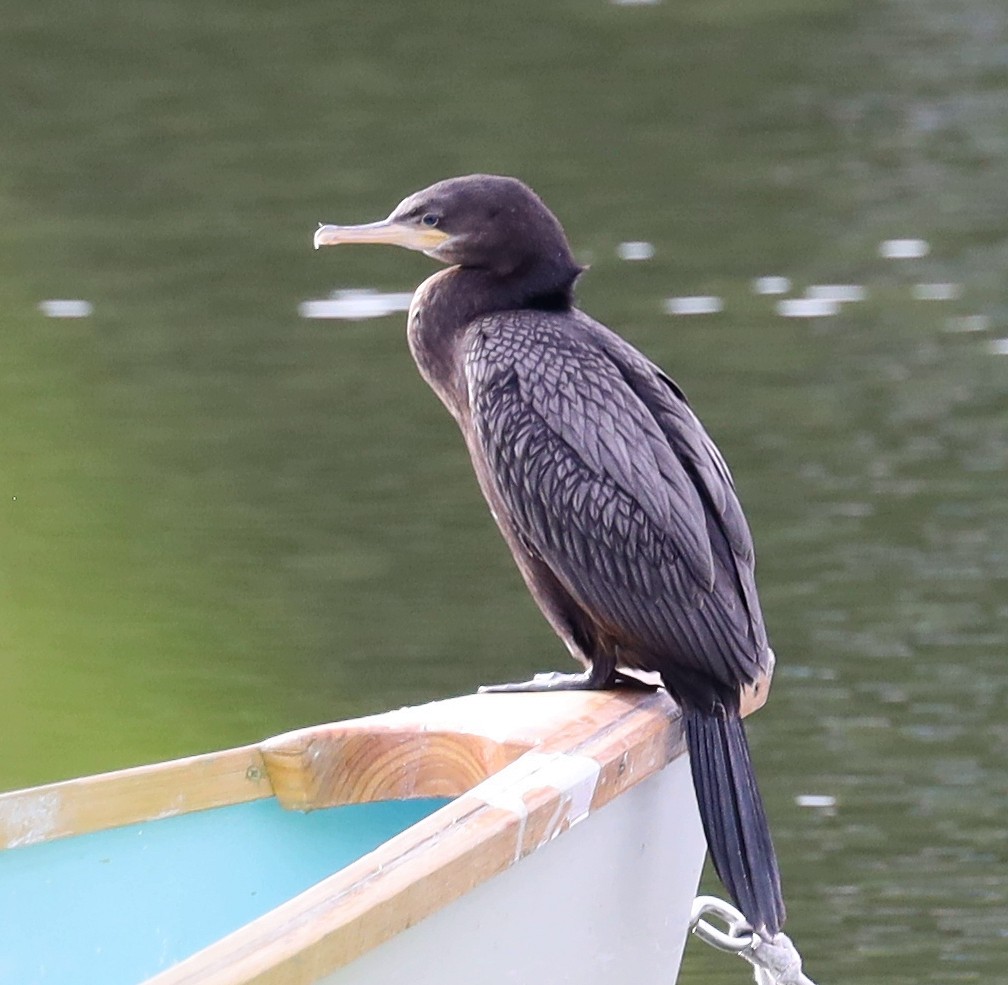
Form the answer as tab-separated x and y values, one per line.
618	508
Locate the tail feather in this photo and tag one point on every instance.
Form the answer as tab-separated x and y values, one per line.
733	818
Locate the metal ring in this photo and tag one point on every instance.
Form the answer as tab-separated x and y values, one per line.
736	940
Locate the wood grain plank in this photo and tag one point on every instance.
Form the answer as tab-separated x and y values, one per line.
127	796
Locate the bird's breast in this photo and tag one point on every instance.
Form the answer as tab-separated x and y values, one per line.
435	333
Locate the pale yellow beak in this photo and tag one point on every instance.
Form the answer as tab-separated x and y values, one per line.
413	237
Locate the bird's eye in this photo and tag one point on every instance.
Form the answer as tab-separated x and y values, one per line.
430	219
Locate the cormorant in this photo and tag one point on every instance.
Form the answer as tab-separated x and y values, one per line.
618	508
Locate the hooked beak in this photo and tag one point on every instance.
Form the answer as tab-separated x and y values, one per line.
423	238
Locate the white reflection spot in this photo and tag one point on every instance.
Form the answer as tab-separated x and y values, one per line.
356	305
635	250
968	323
904	249
807	307
701	304
841	293
936	292
66	308
771	285
823	802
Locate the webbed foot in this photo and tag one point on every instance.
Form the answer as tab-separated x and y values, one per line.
547	682
595	679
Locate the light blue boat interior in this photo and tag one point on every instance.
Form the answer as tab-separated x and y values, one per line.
115	907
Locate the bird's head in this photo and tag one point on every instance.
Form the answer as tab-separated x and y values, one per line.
481	221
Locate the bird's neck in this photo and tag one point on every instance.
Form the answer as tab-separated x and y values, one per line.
447	303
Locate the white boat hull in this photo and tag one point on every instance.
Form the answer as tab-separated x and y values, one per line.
607	903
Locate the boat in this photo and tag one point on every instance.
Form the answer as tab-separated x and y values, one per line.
497	838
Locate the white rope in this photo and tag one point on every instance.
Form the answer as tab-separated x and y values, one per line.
775	962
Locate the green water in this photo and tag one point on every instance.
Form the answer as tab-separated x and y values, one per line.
219	520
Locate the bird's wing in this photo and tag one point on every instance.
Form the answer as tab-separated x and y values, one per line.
597	489
731	538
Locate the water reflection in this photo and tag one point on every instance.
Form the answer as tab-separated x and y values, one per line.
937	292
968	323
825	803
807	307
635	250
66	308
904	249
700	304
839	293
357	304
771	285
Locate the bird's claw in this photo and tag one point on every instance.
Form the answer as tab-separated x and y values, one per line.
552	681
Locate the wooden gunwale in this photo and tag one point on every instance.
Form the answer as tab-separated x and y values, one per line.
142	793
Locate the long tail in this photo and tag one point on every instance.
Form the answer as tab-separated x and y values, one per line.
733	819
